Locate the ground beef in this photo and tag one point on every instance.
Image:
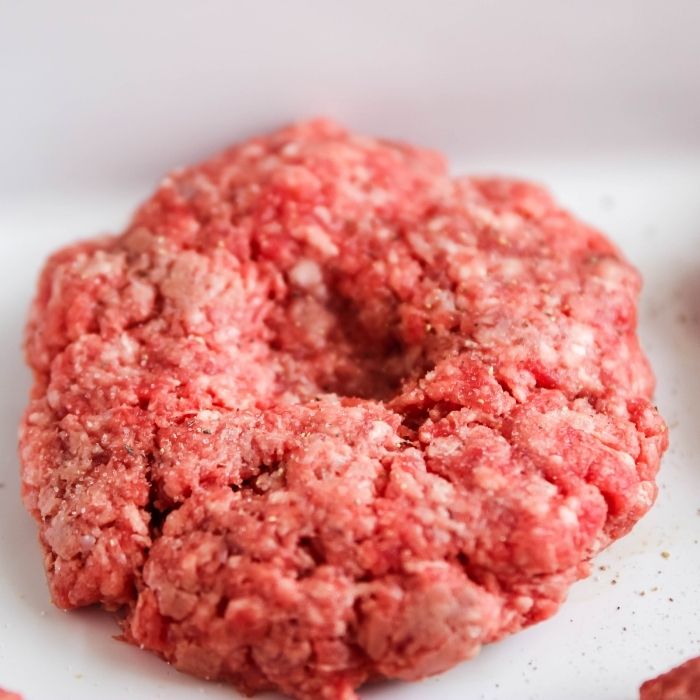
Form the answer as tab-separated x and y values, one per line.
680	683
324	413
7	695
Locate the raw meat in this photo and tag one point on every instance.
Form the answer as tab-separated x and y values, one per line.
323	413
680	683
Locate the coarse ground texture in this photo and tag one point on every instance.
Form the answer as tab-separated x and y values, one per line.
324	414
680	683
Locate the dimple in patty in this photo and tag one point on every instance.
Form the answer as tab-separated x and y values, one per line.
323	413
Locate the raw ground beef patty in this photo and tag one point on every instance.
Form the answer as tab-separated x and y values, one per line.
680	683
324	414
8	695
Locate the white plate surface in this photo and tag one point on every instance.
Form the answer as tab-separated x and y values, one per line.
639	614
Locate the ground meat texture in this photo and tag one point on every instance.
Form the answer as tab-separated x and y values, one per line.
323	413
680	683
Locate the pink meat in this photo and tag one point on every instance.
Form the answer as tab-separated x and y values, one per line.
680	683
8	695
323	413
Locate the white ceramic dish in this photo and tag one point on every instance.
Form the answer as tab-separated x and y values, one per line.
600	103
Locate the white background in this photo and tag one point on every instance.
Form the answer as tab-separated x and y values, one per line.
599	100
